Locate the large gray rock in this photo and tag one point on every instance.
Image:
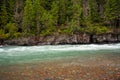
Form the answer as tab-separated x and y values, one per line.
119	37
83	38
62	39
105	38
72	39
49	40
21	41
65	39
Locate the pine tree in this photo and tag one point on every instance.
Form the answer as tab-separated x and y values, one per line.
112	11
77	11
44	16
94	14
39	10
28	18
75	23
54	11
11	7
62	12
3	15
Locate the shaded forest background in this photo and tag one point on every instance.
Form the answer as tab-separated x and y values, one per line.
19	18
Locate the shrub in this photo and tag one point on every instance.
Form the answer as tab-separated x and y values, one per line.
11	28
17	35
4	36
46	32
96	29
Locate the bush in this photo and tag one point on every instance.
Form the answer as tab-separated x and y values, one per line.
46	32
101	30
11	28
65	31
17	35
96	29
4	36
1	31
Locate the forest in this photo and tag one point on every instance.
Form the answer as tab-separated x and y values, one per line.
20	18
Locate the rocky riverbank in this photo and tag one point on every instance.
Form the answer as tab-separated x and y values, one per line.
65	39
70	69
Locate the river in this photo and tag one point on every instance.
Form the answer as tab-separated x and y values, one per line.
88	55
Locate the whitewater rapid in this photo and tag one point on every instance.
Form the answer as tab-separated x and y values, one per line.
9	49
21	54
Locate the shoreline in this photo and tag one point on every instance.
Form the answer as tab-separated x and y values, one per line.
62	39
70	69
96	66
6	45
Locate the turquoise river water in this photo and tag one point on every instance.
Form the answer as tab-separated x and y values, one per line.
27	54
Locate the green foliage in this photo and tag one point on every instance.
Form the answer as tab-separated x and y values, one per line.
10	32
96	29
47	20
11	5
62	12
54	12
77	9
11	28
93	15
73	26
3	15
70	29
39	11
1	31
112	10
28	18
75	23
46	32
3	35
45	17
17	35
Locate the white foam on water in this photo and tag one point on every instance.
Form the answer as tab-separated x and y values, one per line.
47	48
1	50
89	47
36	53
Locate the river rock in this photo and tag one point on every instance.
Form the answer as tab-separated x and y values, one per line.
82	38
118	37
105	38
21	41
48	40
62	39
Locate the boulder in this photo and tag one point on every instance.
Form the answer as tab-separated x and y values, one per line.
62	39
105	38
65	39
83	38
118	37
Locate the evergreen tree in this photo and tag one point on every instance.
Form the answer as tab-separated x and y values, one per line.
112	11
11	5
54	11
77	12
76	18
29	16
94	14
62	12
3	15
39	10
44	16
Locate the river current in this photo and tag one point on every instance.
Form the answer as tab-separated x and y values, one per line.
30	54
